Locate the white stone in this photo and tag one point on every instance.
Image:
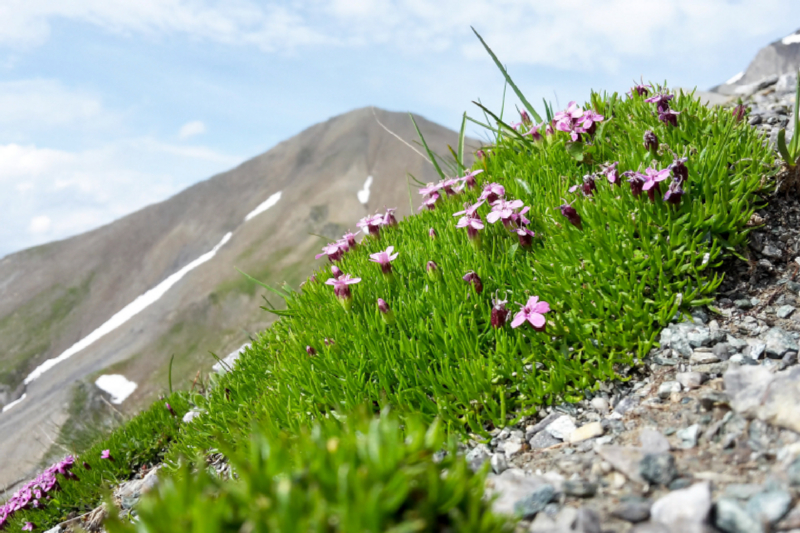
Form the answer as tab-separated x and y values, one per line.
562	427
587	431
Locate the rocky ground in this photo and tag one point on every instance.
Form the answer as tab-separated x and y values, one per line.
706	435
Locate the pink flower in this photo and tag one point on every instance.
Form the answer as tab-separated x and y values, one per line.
340	286
335	272
469	178
432	233
371	224
611	173
651	179
573	112
532	312
434	274
430	203
431	188
661	100
492	191
525	237
636	179
472	223
106	454
384	259
572	215
668	116
311	351
333	250
388	218
29	526
447	186
469	210
589	120
350	238
503	210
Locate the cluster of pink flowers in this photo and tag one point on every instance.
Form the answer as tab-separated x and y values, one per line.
370	224
510	212
33	494
577	121
431	193
665	114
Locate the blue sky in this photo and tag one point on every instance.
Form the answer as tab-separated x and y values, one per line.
109	105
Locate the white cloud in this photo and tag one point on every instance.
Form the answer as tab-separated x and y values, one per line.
569	34
82	190
190	129
40	224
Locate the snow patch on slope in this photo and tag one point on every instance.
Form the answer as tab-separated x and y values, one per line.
126	313
118	386
227	363
791	39
269	202
15	402
735	78
363	194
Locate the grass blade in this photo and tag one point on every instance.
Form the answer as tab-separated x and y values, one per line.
425	145
500	122
283	294
169	377
462	166
519	94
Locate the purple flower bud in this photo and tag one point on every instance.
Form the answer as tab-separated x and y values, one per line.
328	342
668	116
386	313
679	170
739	112
335	272
588	186
525	237
86	466
432	233
637	182
169	408
499	313
388	218
572	215
311	351
313	278
524	116
650	141
480	154
475	280
674	193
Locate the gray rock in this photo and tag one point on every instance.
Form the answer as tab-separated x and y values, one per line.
769	506
722	351
731	517
713	368
649	527
689	436
652	441
626	404
689	380
658	468
530	431
699	316
755	392
772	251
535	501
684	509
755	350
703	358
511	447
513	486
579	488
734	343
633	511
743	303
667	388
477	456
785	311
624	459
791	521
562	427
587	521
562	522
700	336
779	342
793	472
543	440
499	463
600	404
742	491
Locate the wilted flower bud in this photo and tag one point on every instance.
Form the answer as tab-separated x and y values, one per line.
86	466
588	186
432	233
499	313
650	141
637	182
386	313
679	170
674	193
169	408
311	351
739	112
336	272
480	154
572	215
475	280
388	218
434	273
525	236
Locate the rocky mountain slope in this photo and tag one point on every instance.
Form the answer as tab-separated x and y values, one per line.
264	217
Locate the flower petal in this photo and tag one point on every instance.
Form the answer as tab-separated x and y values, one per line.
537	320
519	319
